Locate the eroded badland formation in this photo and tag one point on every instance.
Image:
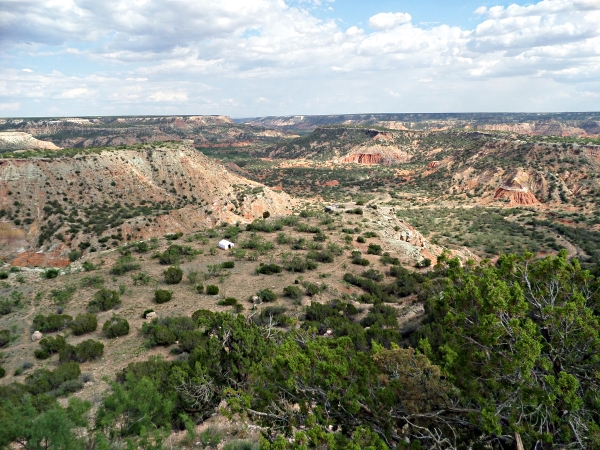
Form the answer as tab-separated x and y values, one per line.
331	216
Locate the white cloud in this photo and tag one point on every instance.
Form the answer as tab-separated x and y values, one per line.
76	93
387	21
14	106
168	97
146	57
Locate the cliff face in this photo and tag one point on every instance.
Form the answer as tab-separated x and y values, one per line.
375	154
15	140
134	193
363	158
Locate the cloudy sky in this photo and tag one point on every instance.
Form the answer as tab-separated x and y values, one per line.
276	57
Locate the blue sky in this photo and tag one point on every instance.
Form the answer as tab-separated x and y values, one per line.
450	12
280	57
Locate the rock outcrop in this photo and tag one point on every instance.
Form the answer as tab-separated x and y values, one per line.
36	336
516	189
15	140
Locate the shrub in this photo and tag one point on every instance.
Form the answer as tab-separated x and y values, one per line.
51	322
271	314
374	249
373	274
426	262
358	259
266	215
361	239
104	300
299	264
311	289
42	380
266	295
62	296
381	315
173	275
84	323
2	372
241	445
162	296
228	265
189	340
89	266
387	259
161	335
268	269
50	273
229	301
211	289
199	288
358	211
96	281
74	255
123	265
201	313
293	292
319	237
49	346
325	256
115	327
175	253
4	338
3	275
146	312
141	278
82	352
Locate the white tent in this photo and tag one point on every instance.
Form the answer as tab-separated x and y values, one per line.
225	244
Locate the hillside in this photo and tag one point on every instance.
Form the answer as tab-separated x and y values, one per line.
82	200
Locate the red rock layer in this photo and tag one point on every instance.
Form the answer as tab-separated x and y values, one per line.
33	259
517	197
363	158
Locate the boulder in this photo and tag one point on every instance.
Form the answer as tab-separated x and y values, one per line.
36	336
151	315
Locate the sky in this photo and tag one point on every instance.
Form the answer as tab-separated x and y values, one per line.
249	58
